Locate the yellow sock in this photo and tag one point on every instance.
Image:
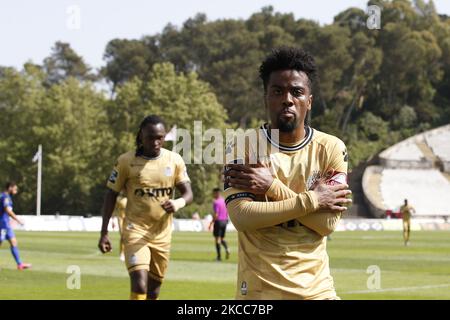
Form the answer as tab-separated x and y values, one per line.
138	296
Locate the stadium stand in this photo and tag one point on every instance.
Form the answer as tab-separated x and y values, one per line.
406	154
426	190
417	169
439	143
409	151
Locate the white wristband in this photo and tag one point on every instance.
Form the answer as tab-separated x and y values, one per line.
179	203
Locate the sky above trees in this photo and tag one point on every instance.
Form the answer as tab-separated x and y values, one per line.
28	29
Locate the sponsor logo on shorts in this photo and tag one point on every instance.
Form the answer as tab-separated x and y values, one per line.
133	259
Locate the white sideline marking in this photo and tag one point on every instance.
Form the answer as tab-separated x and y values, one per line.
399	289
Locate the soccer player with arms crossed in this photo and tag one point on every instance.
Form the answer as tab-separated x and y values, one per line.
149	175
285	204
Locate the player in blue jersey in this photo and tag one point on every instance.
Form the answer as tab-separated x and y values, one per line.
6	232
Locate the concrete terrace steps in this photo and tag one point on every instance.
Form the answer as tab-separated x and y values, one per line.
428	153
417	168
427	189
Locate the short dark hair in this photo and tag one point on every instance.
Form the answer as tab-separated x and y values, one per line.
216	190
288	58
10	184
151	119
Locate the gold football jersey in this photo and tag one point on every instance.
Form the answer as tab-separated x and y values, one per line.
148	182
406	212
121	204
289	260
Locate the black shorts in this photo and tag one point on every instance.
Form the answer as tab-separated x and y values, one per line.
220	227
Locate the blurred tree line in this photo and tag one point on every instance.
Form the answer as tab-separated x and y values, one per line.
375	88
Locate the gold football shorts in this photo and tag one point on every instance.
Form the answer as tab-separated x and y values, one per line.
406	224
141	254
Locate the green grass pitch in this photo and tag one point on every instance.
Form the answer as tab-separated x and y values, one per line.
420	271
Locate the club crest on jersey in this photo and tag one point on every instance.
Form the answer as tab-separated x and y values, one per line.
244	288
332	177
168	171
312	179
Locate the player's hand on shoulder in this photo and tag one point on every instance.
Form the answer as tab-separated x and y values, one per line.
332	197
104	244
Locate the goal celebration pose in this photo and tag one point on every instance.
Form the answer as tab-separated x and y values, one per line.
285	200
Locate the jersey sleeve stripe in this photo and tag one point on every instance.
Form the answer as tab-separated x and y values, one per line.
240	195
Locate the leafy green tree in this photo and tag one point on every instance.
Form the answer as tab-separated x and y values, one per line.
69	120
353	18
365	65
64	62
20	95
77	141
126	59
375	87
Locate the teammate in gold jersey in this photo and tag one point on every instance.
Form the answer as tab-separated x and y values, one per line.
407	211
287	202
149	175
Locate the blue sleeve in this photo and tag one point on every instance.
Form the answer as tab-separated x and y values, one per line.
6	202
